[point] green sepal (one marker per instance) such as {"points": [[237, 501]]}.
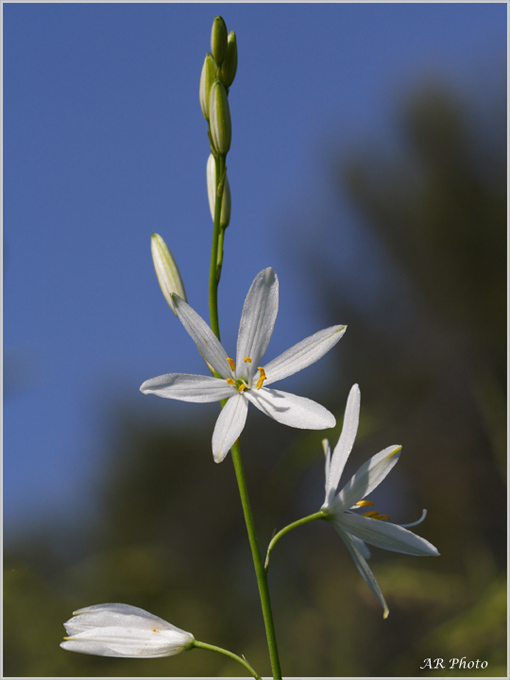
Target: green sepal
{"points": [[219, 39], [229, 65], [219, 118], [209, 70]]}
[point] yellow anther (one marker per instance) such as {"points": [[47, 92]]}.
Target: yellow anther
{"points": [[155, 630], [363, 503], [372, 514], [242, 387], [247, 360], [263, 377], [230, 381], [231, 364], [382, 517]]}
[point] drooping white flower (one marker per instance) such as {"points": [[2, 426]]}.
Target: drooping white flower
{"points": [[340, 508], [123, 630], [244, 380]]}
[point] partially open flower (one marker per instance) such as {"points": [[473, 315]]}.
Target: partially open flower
{"points": [[123, 630]]}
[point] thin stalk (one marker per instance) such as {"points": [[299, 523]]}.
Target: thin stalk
{"points": [[226, 652], [214, 278], [298, 523], [260, 573]]}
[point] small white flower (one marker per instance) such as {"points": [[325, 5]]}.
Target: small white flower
{"points": [[245, 380], [123, 630], [357, 529]]}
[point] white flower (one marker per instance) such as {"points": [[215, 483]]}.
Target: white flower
{"points": [[245, 380], [123, 630], [357, 529]]}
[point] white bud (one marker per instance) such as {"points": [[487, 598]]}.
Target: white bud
{"points": [[123, 630], [226, 202], [167, 271]]}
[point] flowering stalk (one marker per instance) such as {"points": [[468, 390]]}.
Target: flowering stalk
{"points": [[214, 279]]}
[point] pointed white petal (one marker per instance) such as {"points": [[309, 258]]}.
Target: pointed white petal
{"points": [[207, 343], [366, 479], [361, 545], [363, 568], [345, 443], [188, 387], [257, 322], [291, 410], [386, 535], [303, 354], [229, 426]]}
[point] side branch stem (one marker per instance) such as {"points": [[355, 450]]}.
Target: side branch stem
{"points": [[226, 652], [299, 522]]}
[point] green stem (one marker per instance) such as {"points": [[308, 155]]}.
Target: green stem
{"points": [[215, 271], [214, 278], [299, 522], [260, 573], [226, 652]]}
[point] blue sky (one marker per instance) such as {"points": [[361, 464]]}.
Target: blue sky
{"points": [[105, 143]]}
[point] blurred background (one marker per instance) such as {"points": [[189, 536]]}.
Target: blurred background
{"points": [[368, 167]]}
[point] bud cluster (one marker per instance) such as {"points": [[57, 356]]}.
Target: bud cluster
{"points": [[218, 73]]}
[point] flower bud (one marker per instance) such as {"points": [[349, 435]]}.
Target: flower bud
{"points": [[207, 77], [226, 202], [167, 271], [123, 630], [229, 66], [219, 39], [219, 118]]}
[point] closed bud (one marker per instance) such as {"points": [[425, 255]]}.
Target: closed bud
{"points": [[207, 77], [167, 271], [226, 202], [219, 39], [219, 118], [229, 65]]}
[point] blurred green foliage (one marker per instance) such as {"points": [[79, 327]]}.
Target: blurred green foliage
{"points": [[430, 356]]}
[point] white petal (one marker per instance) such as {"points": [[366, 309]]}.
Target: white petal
{"points": [[303, 354], [345, 443], [386, 535], [207, 343], [123, 630], [361, 545], [291, 410], [365, 480], [188, 387], [364, 569], [229, 426], [257, 322]]}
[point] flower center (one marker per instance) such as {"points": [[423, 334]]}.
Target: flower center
{"points": [[241, 384], [372, 513]]}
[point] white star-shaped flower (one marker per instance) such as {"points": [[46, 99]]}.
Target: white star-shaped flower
{"points": [[123, 630], [245, 380], [358, 529]]}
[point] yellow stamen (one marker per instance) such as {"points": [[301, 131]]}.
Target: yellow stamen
{"points": [[247, 360], [155, 630], [242, 387], [230, 381], [382, 517], [372, 513], [363, 503], [263, 377], [231, 364]]}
